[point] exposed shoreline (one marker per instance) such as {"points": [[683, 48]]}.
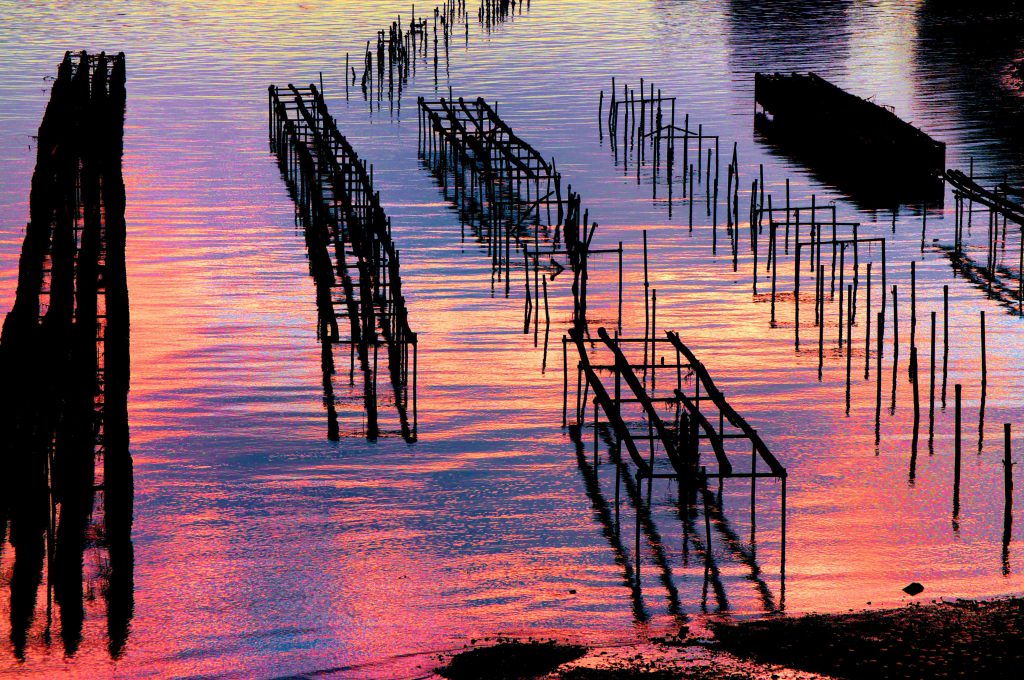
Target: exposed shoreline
{"points": [[958, 639]]}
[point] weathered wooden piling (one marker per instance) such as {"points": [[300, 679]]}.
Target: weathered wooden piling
{"points": [[917, 397], [878, 374], [913, 307], [945, 340], [956, 451], [867, 326], [895, 347], [984, 359], [849, 343], [821, 325], [931, 388], [1007, 479]]}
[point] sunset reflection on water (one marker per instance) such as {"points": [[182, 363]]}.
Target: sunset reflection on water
{"points": [[261, 548]]}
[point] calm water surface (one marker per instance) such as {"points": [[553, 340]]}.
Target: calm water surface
{"points": [[262, 549]]}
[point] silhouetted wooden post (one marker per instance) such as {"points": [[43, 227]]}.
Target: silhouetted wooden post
{"points": [[707, 516], [842, 269], [917, 396], [691, 195], [1007, 479], [796, 297], [849, 343], [945, 340], [878, 374], [787, 216], [707, 190], [773, 236], [647, 305], [895, 347], [842, 309], [984, 362], [821, 326], [913, 306], [931, 390], [867, 332], [620, 288], [956, 452]]}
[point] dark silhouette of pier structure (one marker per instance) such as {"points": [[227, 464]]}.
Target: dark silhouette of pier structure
{"points": [[66, 488], [664, 435], [852, 142], [352, 258], [513, 200]]}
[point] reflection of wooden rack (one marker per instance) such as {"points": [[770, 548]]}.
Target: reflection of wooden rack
{"points": [[341, 212]]}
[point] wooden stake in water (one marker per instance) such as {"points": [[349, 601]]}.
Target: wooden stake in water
{"points": [[917, 398], [878, 377], [849, 343], [867, 332], [1007, 479], [821, 326], [984, 363], [691, 196], [956, 453], [945, 341], [772, 235], [895, 348], [931, 391], [913, 307]]}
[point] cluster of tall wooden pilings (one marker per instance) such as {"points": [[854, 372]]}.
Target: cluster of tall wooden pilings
{"points": [[490, 13], [644, 126], [66, 487], [654, 399], [352, 258], [388, 61], [848, 273]]}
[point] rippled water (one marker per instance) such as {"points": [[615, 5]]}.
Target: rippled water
{"points": [[261, 548]]}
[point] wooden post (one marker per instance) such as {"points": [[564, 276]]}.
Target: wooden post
{"points": [[849, 343], [772, 236], [945, 340], [867, 332], [984, 363], [895, 346], [931, 390], [1007, 477], [878, 375], [821, 325], [956, 452], [913, 305], [917, 395]]}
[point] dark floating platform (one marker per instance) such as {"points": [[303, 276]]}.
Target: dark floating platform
{"points": [[863, 149]]}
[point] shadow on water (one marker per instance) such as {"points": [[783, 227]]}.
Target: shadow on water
{"points": [[68, 489], [687, 512]]}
